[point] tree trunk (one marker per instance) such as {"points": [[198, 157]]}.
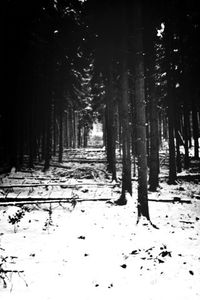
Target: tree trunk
{"points": [[172, 156], [154, 145], [143, 208], [185, 129], [124, 116], [60, 155], [170, 102], [153, 156], [178, 140], [110, 128], [54, 130], [31, 134], [195, 126], [133, 133], [48, 143]]}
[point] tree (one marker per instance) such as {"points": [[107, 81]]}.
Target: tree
{"points": [[124, 115], [150, 39], [170, 101], [110, 126], [143, 208]]}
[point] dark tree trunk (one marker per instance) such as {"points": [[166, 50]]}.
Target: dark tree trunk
{"points": [[43, 139], [31, 135], [74, 130], [126, 171], [70, 128], [21, 142], [48, 142], [195, 126], [153, 154], [143, 208], [178, 139], [110, 128], [67, 130], [79, 136], [172, 156], [124, 118], [85, 137], [185, 130], [178, 154], [54, 130], [170, 103], [60, 155], [154, 145], [165, 127], [133, 133], [189, 130]]}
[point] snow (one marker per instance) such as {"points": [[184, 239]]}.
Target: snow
{"points": [[97, 251]]}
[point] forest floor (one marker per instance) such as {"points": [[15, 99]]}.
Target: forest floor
{"points": [[89, 249]]}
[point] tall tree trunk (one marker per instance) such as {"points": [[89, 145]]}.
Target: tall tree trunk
{"points": [[165, 127], [172, 156], [124, 114], [110, 128], [31, 134], [75, 128], [85, 136], [70, 128], [154, 145], [126, 169], [185, 130], [48, 144], [143, 208], [177, 136], [67, 129], [60, 155], [54, 130], [195, 126], [153, 156], [170, 102], [133, 132], [178, 154]]}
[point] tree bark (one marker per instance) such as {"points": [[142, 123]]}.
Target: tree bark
{"points": [[153, 156], [143, 208], [170, 103], [195, 126], [124, 117], [61, 108], [110, 128], [154, 145], [48, 142], [177, 136], [186, 142]]}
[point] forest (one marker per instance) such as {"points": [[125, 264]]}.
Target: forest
{"points": [[99, 150]]}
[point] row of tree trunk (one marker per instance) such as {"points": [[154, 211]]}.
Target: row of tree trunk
{"points": [[142, 122]]}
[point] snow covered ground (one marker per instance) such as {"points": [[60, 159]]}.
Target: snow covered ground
{"points": [[96, 251]]}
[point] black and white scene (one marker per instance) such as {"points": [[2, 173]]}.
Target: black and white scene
{"points": [[100, 150]]}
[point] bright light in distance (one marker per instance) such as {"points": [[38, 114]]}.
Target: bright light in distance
{"points": [[161, 30]]}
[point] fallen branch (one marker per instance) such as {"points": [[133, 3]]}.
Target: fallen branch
{"points": [[11, 271], [67, 185], [186, 222], [170, 201], [4, 277], [49, 200]]}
